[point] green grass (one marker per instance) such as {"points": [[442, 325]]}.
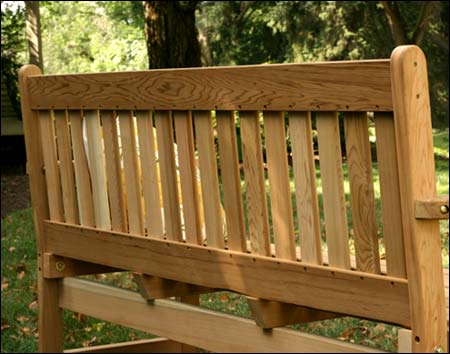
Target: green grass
{"points": [[19, 289]]}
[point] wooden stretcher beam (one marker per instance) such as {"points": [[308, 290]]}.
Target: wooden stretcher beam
{"points": [[214, 331]]}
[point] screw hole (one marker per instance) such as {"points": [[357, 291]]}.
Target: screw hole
{"points": [[254, 259], [362, 278], [415, 64], [417, 96], [231, 256], [392, 283], [333, 274], [305, 269], [417, 339]]}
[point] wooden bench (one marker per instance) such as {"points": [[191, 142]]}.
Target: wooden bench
{"points": [[88, 220]]}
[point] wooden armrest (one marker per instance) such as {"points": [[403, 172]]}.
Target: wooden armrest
{"points": [[433, 208]]}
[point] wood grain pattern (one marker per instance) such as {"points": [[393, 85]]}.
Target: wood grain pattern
{"points": [[47, 129], [333, 189], [433, 208], [209, 178], [66, 167], [150, 175], [50, 321], [324, 288], [132, 172], [258, 222], [300, 131], [168, 171], [279, 183], [114, 172], [390, 194], [82, 176], [343, 86], [362, 196], [169, 318], [414, 142], [231, 180], [188, 176], [97, 169]]}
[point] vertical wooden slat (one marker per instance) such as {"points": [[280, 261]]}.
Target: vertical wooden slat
{"points": [[97, 169], [132, 170], [188, 179], [300, 130], [164, 134], [258, 222], [390, 194], [50, 325], [231, 180], [364, 219], [209, 178], [280, 190], [150, 176], [116, 191], [414, 146], [51, 165], [333, 189], [82, 178], [66, 167]]}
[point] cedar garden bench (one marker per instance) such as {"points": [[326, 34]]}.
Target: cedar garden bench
{"points": [[108, 215]]}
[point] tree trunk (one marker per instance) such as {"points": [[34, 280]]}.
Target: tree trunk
{"points": [[171, 34], [33, 33]]}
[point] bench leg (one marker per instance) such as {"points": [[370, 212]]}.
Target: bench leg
{"points": [[51, 335]]}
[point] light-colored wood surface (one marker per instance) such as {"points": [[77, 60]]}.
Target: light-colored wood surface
{"points": [[82, 175], [390, 194], [150, 173], [50, 321], [188, 176], [231, 180], [132, 172], [272, 314], [155, 345], [300, 131], [209, 179], [168, 175], [415, 154], [47, 129], [64, 148], [362, 198], [152, 288], [434, 208], [404, 340], [60, 267], [279, 182], [333, 189], [257, 214], [214, 331], [341, 86], [325, 288], [114, 172], [96, 164]]}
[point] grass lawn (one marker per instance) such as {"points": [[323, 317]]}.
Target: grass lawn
{"points": [[19, 289]]}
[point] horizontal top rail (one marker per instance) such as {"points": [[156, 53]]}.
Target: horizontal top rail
{"points": [[343, 86]]}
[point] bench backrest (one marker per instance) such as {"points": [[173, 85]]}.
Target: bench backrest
{"points": [[274, 107]]}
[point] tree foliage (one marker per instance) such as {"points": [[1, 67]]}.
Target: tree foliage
{"points": [[86, 36], [12, 49]]}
